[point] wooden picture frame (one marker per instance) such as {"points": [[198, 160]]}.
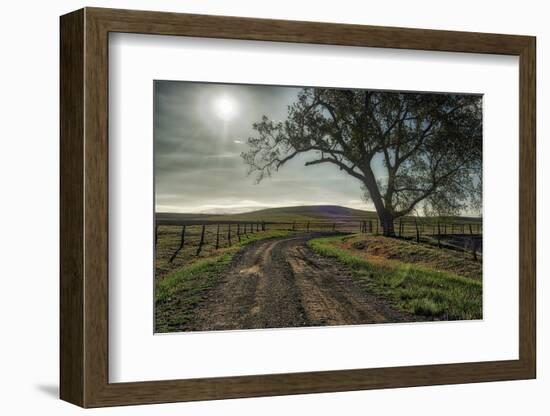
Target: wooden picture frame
{"points": [[84, 207]]}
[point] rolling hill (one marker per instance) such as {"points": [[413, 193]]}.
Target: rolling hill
{"points": [[304, 213], [329, 213]]}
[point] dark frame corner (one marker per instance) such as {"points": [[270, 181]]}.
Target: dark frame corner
{"points": [[84, 207]]}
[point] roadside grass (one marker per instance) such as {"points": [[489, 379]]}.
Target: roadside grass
{"points": [[407, 251], [412, 288], [180, 291], [169, 238]]}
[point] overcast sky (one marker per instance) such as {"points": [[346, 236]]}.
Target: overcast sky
{"points": [[200, 132]]}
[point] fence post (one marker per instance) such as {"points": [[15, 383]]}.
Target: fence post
{"points": [[474, 254], [308, 226], [438, 235], [417, 232], [377, 227], [218, 236], [400, 227], [293, 225], [181, 245], [333, 226], [229, 234], [239, 231], [201, 242]]}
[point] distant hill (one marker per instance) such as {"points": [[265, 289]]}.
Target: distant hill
{"points": [[172, 217], [301, 213], [329, 213], [304, 213]]}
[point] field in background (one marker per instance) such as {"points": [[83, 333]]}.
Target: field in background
{"points": [[462, 234]]}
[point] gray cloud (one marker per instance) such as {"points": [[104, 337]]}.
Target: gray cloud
{"points": [[198, 167]]}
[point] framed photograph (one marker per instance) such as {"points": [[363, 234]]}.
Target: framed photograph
{"points": [[260, 207]]}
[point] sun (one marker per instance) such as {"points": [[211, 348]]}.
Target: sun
{"points": [[225, 108]]}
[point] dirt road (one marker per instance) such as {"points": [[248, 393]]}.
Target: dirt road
{"points": [[282, 283]]}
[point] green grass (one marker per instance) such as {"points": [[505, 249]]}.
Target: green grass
{"points": [[169, 238], [180, 291], [180, 280], [421, 254], [412, 288]]}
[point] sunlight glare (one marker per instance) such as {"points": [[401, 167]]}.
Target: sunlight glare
{"points": [[225, 108]]}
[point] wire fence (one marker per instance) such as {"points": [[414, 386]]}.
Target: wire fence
{"points": [[191, 238]]}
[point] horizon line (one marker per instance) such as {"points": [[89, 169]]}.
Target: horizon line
{"points": [[257, 209]]}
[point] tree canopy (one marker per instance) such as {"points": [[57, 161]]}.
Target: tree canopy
{"points": [[430, 146]]}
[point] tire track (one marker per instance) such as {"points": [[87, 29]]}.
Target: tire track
{"points": [[282, 283]]}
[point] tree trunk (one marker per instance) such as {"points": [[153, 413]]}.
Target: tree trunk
{"points": [[386, 217], [386, 220]]}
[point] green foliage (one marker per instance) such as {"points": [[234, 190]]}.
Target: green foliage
{"points": [[414, 289]]}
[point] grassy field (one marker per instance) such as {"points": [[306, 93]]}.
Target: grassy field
{"points": [[169, 236], [395, 250], [169, 239], [180, 289], [416, 278], [461, 232]]}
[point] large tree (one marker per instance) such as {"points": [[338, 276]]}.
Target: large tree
{"points": [[429, 145]]}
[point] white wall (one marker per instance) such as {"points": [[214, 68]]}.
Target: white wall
{"points": [[29, 214]]}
